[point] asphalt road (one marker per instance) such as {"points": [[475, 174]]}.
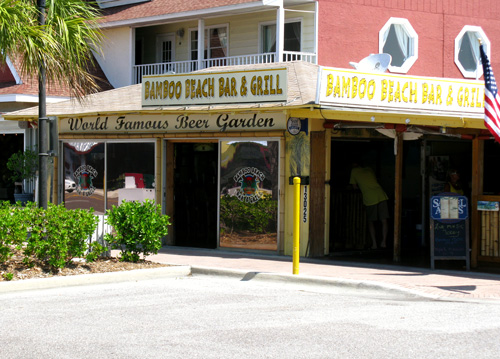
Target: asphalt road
{"points": [[214, 317]]}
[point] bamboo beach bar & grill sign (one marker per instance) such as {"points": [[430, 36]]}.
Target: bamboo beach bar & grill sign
{"points": [[268, 85], [382, 90], [221, 122]]}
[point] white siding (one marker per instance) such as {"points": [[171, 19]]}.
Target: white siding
{"points": [[116, 61], [243, 32]]}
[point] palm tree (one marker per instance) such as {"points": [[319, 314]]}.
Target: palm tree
{"points": [[63, 45], [54, 40]]}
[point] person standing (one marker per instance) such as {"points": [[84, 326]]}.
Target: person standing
{"points": [[374, 199], [453, 184]]}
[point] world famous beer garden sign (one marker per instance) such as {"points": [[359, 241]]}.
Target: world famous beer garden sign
{"points": [[204, 122]]}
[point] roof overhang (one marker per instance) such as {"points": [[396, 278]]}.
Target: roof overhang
{"points": [[29, 98], [229, 10]]}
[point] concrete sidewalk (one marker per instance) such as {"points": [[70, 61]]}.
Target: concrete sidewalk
{"points": [[417, 282], [436, 284]]}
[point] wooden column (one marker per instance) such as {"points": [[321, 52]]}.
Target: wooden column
{"points": [[476, 190], [398, 190], [317, 195], [169, 190]]}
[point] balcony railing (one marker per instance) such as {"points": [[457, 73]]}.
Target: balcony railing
{"points": [[182, 67]]}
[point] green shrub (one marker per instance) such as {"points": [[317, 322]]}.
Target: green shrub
{"points": [[58, 234], [138, 228], [13, 229]]}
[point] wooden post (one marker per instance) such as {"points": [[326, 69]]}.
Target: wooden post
{"points": [[476, 190], [398, 190], [169, 190], [317, 195]]}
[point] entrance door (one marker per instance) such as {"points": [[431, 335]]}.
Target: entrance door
{"points": [[249, 191], [195, 194], [165, 48]]}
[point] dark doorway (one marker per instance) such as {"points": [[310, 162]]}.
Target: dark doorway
{"points": [[348, 226], [9, 144], [195, 194], [349, 237]]}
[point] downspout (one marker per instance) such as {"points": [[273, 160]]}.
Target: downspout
{"points": [[316, 33]]}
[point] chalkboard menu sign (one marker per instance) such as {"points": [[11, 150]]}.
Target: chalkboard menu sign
{"points": [[449, 239], [449, 228]]}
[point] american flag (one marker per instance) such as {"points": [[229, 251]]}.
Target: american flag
{"points": [[491, 99]]}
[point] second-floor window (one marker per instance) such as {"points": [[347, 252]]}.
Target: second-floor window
{"points": [[467, 56], [292, 37], [398, 39], [215, 43]]}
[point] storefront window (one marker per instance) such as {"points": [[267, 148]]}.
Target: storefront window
{"points": [[128, 169], [130, 172], [249, 194], [84, 176]]}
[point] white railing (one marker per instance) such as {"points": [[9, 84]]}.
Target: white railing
{"points": [[182, 67]]}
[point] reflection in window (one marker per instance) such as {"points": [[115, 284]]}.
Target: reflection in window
{"points": [[467, 51], [130, 172], [398, 39], [249, 194], [292, 36], [215, 43], [84, 176]]}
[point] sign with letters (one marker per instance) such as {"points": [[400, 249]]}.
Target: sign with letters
{"points": [[388, 91], [449, 207], [222, 122], [449, 228], [269, 85]]}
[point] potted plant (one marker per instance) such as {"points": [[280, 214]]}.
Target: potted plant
{"points": [[24, 166]]}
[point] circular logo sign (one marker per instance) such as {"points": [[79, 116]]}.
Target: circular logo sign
{"points": [[293, 125]]}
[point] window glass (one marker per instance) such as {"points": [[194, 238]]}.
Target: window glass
{"points": [[291, 37], [127, 168], [467, 51], [194, 45], [215, 43], [130, 172], [84, 176], [249, 194], [166, 51], [398, 39], [218, 42]]}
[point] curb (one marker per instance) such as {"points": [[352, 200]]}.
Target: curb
{"points": [[95, 278], [331, 281], [311, 280]]}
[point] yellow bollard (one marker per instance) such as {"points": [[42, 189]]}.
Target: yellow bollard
{"points": [[296, 225]]}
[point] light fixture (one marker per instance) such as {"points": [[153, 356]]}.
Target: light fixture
{"points": [[442, 129], [407, 121], [372, 118], [180, 32]]}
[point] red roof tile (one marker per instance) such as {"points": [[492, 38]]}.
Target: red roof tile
{"points": [[164, 7], [29, 85]]}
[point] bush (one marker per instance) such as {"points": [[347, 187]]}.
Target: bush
{"points": [[13, 229], [138, 227], [58, 234]]}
